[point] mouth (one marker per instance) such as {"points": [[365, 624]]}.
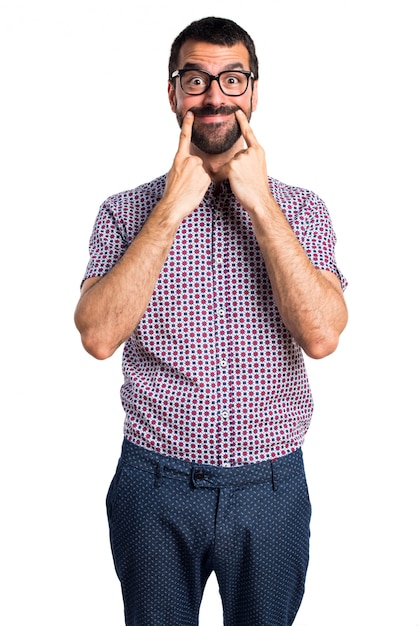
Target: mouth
{"points": [[218, 118], [208, 115]]}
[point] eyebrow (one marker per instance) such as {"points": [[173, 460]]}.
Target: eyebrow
{"points": [[196, 66]]}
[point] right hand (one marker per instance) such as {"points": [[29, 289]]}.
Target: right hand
{"points": [[187, 181]]}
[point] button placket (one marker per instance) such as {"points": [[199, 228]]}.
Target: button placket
{"points": [[221, 308]]}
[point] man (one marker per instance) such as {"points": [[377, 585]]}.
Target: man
{"points": [[215, 277]]}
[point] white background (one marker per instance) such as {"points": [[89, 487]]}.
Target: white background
{"points": [[84, 114]]}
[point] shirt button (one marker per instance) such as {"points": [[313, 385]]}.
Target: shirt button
{"points": [[224, 414], [219, 260], [221, 312], [223, 363]]}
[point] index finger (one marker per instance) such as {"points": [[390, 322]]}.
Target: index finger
{"points": [[247, 131], [186, 132]]}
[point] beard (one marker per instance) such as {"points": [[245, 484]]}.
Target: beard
{"points": [[214, 138]]}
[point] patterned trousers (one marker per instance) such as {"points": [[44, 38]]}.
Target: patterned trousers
{"points": [[173, 523]]}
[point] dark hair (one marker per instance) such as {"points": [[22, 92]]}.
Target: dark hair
{"points": [[216, 30]]}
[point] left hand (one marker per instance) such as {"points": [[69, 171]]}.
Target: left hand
{"points": [[247, 170]]}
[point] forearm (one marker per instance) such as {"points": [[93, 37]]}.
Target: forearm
{"points": [[310, 301], [110, 309]]}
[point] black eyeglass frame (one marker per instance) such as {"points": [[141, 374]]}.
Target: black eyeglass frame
{"points": [[212, 77]]}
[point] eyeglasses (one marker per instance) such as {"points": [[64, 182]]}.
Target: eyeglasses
{"points": [[196, 82]]}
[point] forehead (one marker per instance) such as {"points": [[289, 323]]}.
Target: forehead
{"points": [[212, 57]]}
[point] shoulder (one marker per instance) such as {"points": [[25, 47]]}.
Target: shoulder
{"points": [[144, 193], [125, 212], [291, 194], [305, 211]]}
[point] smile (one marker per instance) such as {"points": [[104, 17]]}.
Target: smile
{"points": [[216, 118]]}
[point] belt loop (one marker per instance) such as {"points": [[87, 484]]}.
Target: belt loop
{"points": [[158, 475], [274, 477]]}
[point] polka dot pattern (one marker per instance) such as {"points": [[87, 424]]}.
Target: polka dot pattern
{"points": [[211, 375], [172, 523]]}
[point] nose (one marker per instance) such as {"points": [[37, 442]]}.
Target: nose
{"points": [[214, 95]]}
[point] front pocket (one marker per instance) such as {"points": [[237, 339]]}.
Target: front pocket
{"points": [[113, 490]]}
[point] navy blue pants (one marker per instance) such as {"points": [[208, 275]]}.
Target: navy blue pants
{"points": [[172, 523]]}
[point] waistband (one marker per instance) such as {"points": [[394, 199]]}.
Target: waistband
{"points": [[212, 476]]}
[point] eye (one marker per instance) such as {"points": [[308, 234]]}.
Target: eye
{"points": [[193, 79], [233, 79]]}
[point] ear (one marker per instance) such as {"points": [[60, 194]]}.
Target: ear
{"points": [[254, 100], [172, 96]]}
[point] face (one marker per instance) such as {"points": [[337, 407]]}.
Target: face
{"points": [[215, 128]]}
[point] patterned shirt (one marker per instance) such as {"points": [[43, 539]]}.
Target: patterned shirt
{"points": [[211, 374]]}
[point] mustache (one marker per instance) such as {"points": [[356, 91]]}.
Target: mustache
{"points": [[210, 110]]}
